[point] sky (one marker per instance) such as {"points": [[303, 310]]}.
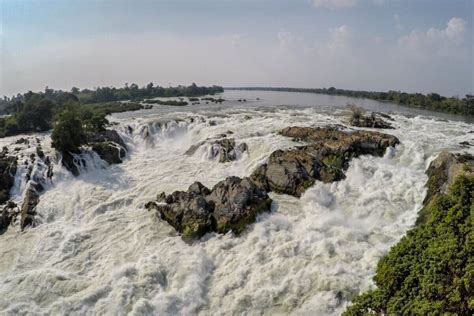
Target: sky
{"points": [[378, 45]]}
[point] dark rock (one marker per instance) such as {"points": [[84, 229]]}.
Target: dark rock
{"points": [[22, 141], [40, 152], [107, 136], [444, 169], [325, 159], [231, 205], [373, 120], [8, 167], [225, 148], [28, 208], [442, 173], [72, 163], [465, 144], [7, 214], [110, 152]]}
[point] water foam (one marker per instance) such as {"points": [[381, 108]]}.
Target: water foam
{"points": [[98, 251]]}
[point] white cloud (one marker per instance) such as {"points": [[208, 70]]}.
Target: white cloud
{"points": [[431, 60], [438, 41], [334, 4]]}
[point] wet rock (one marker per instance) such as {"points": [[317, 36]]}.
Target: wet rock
{"points": [[444, 169], [465, 144], [231, 205], [109, 146], [8, 167], [373, 120], [28, 208], [7, 215], [21, 141], [325, 158], [442, 173], [225, 148], [110, 152], [40, 152], [72, 162], [107, 136]]}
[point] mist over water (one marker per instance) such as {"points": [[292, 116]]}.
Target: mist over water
{"points": [[97, 250]]}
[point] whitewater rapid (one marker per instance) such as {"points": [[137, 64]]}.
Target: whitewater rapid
{"points": [[96, 250]]}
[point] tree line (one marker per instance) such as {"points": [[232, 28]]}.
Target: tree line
{"points": [[38, 111], [430, 101]]}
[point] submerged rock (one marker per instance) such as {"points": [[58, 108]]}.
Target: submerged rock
{"points": [[326, 158], [231, 205], [8, 167]]}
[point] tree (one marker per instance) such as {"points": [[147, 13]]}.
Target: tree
{"points": [[68, 133]]}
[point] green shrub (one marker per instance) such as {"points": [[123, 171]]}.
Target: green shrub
{"points": [[431, 270]]}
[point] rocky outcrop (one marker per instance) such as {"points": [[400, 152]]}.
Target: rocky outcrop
{"points": [[7, 214], [225, 148], [109, 146], [444, 169], [234, 203], [324, 158], [230, 205], [374, 120], [8, 167], [28, 208], [110, 152]]}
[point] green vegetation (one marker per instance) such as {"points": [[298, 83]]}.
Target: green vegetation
{"points": [[219, 100], [167, 102], [133, 92], [431, 270], [69, 132], [38, 112], [431, 101]]}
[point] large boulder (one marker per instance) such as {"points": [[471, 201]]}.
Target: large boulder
{"points": [[106, 136], [373, 120], [325, 158], [7, 214], [224, 148], [72, 162], [231, 205], [445, 169], [28, 208], [110, 152], [109, 146], [8, 167]]}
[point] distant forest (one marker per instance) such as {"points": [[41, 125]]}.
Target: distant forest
{"points": [[37, 111], [431, 101]]}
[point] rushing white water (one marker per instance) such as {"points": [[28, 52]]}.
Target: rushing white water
{"points": [[96, 250]]}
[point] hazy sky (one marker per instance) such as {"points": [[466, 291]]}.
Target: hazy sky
{"points": [[410, 45]]}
